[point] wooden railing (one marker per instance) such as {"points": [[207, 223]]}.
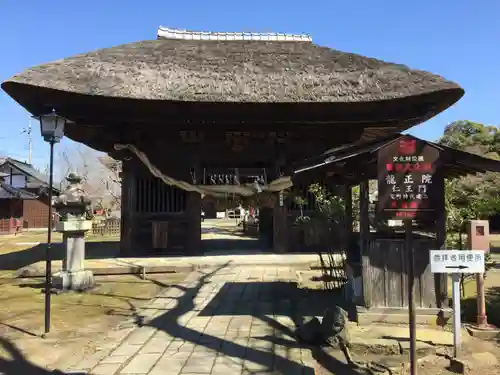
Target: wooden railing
{"points": [[107, 227]]}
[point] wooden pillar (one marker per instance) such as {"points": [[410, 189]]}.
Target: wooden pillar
{"points": [[280, 226], [364, 236], [347, 227], [441, 280], [193, 228], [128, 208]]}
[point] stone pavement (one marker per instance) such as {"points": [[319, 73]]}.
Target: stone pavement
{"points": [[227, 320], [236, 320]]}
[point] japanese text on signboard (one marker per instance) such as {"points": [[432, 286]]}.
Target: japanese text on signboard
{"points": [[464, 258], [407, 180]]}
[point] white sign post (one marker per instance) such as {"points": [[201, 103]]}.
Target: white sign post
{"points": [[456, 262]]}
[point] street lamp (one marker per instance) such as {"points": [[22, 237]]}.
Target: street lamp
{"points": [[52, 130]]}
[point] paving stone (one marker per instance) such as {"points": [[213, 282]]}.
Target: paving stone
{"points": [[200, 349], [187, 347], [126, 349], [112, 359], [237, 333], [199, 322], [166, 366], [155, 345], [90, 361], [141, 364], [261, 366], [198, 364], [140, 335], [106, 369], [234, 348], [175, 345], [235, 369]]}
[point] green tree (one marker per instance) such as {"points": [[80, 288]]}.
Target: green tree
{"points": [[472, 196]]}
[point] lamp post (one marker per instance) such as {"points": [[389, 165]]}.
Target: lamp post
{"points": [[52, 130]]}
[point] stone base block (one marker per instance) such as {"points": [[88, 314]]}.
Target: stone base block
{"points": [[432, 317], [78, 281], [483, 333]]}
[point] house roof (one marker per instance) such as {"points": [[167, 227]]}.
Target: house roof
{"points": [[359, 161], [9, 192], [28, 170]]}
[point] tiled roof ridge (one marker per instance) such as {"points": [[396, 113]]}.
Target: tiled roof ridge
{"points": [[172, 33]]}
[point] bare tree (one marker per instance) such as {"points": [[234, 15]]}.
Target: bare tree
{"points": [[113, 181], [100, 173]]}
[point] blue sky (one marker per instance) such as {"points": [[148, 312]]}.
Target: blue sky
{"points": [[458, 39]]}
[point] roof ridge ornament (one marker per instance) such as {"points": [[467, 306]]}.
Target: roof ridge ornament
{"points": [[170, 33]]}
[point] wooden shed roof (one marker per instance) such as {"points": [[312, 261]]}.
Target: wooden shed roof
{"points": [[353, 163]]}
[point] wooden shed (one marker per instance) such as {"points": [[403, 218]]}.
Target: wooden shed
{"points": [[379, 259]]}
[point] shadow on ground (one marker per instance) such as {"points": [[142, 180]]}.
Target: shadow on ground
{"points": [[22, 258], [264, 301], [469, 307], [17, 364], [111, 249]]}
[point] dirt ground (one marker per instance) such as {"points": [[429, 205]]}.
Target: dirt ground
{"points": [[76, 317]]}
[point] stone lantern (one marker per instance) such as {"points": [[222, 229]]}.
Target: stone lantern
{"points": [[73, 206]]}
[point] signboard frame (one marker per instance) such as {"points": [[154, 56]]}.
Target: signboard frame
{"points": [[457, 261], [410, 180]]}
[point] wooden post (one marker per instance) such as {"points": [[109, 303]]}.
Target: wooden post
{"points": [[129, 197], [364, 234], [280, 226], [441, 280], [193, 229], [348, 217]]}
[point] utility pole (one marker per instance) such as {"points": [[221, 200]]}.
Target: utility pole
{"points": [[30, 142]]}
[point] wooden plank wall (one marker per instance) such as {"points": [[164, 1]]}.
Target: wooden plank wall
{"points": [[386, 273], [36, 213]]}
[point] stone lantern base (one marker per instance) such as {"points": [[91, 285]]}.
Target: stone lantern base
{"points": [[73, 275], [75, 280]]}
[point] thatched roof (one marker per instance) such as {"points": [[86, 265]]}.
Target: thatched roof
{"points": [[230, 71]]}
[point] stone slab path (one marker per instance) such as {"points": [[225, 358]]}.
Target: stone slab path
{"points": [[232, 320], [225, 320]]}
